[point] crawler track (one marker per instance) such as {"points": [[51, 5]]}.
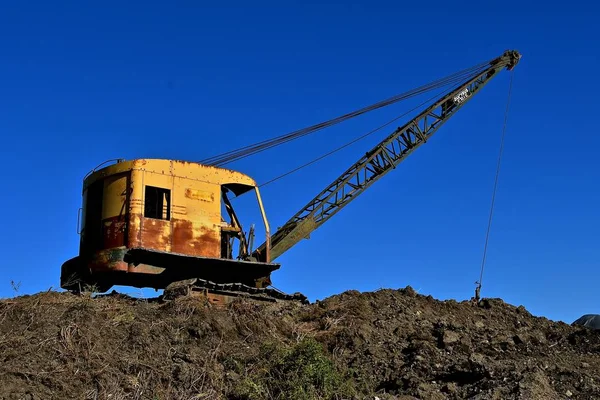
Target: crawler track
{"points": [[223, 292]]}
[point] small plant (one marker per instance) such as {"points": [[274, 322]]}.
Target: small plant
{"points": [[249, 389], [306, 372], [300, 372], [15, 286]]}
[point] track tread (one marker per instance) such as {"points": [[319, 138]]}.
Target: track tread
{"points": [[239, 288]]}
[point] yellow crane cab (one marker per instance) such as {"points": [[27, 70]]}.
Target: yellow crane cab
{"points": [[150, 222]]}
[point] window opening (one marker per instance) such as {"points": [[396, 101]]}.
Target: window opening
{"points": [[232, 231], [157, 203]]}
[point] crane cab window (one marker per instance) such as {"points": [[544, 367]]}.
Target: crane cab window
{"points": [[157, 204]]}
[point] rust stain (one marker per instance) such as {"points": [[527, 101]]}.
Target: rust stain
{"points": [[209, 244], [201, 195], [182, 234], [197, 241], [113, 231], [156, 234], [134, 231], [109, 260]]}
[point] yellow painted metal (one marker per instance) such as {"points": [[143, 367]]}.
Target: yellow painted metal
{"points": [[182, 169], [128, 239], [267, 228], [191, 223], [115, 190]]}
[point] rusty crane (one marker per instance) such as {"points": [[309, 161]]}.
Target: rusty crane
{"points": [[157, 223]]}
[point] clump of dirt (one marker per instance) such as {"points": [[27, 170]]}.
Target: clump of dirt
{"points": [[390, 344]]}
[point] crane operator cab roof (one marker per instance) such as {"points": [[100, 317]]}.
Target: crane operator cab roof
{"points": [[235, 181]]}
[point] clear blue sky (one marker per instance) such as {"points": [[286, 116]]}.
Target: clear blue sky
{"points": [[83, 82]]}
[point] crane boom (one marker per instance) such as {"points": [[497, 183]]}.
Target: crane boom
{"points": [[377, 162]]}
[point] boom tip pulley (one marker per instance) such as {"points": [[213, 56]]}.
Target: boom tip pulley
{"points": [[511, 57]]}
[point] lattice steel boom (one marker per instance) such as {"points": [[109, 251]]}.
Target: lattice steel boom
{"points": [[380, 160]]}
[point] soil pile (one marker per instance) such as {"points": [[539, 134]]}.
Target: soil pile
{"points": [[389, 344]]}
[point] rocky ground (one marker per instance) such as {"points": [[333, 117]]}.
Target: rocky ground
{"points": [[389, 344]]}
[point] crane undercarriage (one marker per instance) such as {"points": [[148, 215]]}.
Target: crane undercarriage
{"points": [[225, 293], [175, 274]]}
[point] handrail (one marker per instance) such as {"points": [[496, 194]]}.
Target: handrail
{"points": [[118, 160]]}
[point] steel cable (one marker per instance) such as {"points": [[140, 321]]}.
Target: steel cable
{"points": [[227, 158], [349, 143], [487, 234], [246, 151]]}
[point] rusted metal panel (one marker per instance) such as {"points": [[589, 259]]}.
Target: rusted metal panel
{"points": [[113, 261], [195, 240], [195, 215], [134, 232], [156, 234], [114, 231], [110, 260]]}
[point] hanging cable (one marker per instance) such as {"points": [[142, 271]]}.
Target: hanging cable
{"points": [[246, 151], [487, 234]]}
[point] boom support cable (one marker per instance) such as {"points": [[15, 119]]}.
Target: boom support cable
{"points": [[329, 153], [249, 150], [487, 234]]}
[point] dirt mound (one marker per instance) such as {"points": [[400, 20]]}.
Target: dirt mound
{"points": [[386, 344]]}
